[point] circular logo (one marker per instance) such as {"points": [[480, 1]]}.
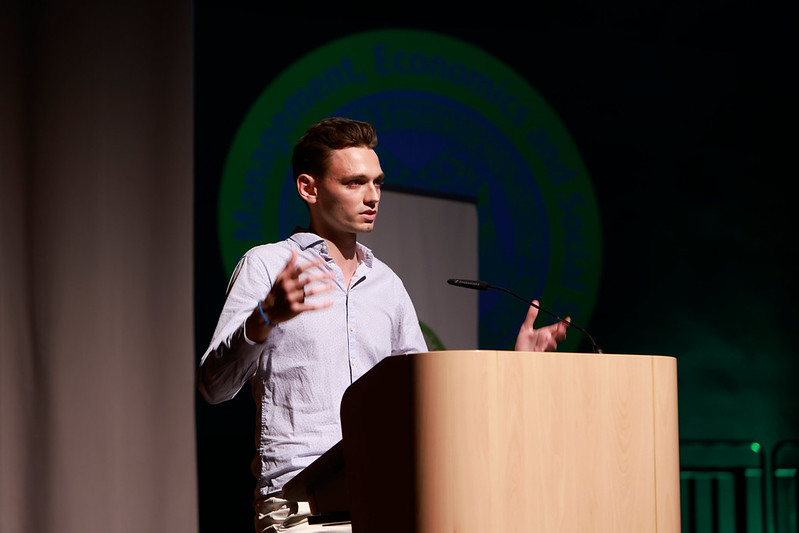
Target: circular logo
{"points": [[451, 120]]}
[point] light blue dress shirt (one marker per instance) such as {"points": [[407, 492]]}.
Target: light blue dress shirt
{"points": [[299, 374]]}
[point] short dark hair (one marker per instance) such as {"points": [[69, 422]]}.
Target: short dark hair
{"points": [[312, 151]]}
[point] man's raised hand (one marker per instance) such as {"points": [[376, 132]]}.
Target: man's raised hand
{"points": [[544, 339], [288, 296]]}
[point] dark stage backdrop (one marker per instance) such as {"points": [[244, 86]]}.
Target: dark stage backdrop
{"points": [[674, 125]]}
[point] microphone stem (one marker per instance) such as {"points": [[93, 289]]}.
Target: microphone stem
{"points": [[594, 345]]}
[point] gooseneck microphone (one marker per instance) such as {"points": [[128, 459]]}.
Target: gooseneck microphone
{"points": [[483, 286]]}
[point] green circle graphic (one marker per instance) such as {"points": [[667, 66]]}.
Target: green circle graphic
{"points": [[452, 120]]}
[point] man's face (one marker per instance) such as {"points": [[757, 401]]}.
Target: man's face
{"points": [[348, 194]]}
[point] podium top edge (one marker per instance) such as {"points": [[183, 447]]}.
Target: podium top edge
{"points": [[553, 354]]}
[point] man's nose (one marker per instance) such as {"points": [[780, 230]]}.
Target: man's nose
{"points": [[372, 194]]}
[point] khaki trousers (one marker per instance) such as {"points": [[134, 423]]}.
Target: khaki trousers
{"points": [[276, 514]]}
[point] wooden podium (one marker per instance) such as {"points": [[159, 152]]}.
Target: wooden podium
{"points": [[499, 441]]}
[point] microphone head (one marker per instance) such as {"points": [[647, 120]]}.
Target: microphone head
{"points": [[469, 284]]}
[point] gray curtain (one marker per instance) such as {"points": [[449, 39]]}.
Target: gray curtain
{"points": [[97, 360]]}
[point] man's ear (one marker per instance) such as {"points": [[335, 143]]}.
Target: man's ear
{"points": [[306, 186]]}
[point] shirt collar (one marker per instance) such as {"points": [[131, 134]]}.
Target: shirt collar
{"points": [[306, 240]]}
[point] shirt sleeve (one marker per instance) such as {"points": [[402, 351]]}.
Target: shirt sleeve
{"points": [[231, 359], [409, 337]]}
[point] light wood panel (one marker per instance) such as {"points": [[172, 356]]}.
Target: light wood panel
{"points": [[510, 441]]}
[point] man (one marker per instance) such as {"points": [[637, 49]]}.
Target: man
{"points": [[307, 316]]}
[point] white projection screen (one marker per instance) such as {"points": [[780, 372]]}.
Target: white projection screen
{"points": [[427, 240]]}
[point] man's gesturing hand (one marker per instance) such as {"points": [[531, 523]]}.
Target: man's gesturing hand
{"points": [[287, 298], [544, 339]]}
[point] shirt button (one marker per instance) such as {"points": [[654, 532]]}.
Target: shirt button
{"points": [[352, 362], [352, 328]]}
